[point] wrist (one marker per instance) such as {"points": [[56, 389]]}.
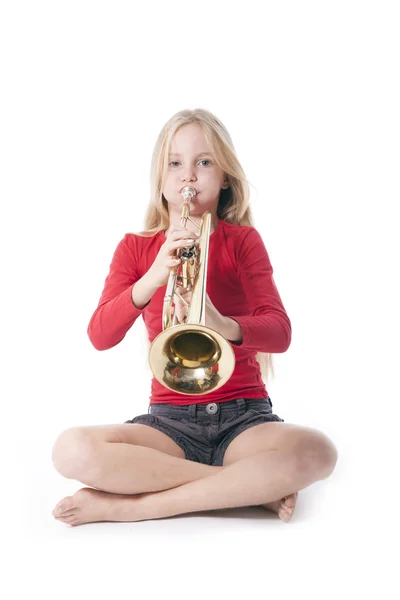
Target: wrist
{"points": [[234, 331], [230, 329], [142, 291], [151, 280]]}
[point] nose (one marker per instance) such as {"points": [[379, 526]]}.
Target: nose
{"points": [[188, 175]]}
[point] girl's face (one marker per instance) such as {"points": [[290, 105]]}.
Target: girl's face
{"points": [[190, 163]]}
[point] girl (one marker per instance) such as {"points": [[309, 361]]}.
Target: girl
{"points": [[223, 449]]}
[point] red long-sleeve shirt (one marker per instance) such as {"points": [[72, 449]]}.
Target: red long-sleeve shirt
{"points": [[240, 285]]}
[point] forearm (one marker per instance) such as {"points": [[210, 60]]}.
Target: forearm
{"points": [[112, 319], [229, 328], [143, 291], [265, 333]]}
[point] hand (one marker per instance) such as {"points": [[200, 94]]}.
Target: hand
{"points": [[165, 260], [226, 326], [213, 317]]}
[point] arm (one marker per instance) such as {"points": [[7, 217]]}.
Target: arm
{"points": [[231, 330], [226, 326], [267, 328], [123, 299]]}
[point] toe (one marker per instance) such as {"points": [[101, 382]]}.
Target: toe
{"points": [[63, 515], [283, 514], [290, 501], [64, 505], [70, 520]]}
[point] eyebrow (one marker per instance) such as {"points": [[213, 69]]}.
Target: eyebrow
{"points": [[199, 154]]}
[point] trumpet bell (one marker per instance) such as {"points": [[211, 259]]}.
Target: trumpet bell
{"points": [[191, 359]]}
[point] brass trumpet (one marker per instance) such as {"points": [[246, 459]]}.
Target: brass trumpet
{"points": [[190, 358]]}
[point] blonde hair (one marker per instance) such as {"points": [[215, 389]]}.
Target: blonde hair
{"points": [[233, 206]]}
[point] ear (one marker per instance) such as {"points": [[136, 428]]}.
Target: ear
{"points": [[225, 185]]}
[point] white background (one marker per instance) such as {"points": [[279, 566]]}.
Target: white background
{"points": [[309, 92]]}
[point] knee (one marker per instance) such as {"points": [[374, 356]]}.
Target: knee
{"points": [[329, 457], [72, 452], [319, 454]]}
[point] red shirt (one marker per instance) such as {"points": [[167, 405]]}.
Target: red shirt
{"points": [[240, 285]]}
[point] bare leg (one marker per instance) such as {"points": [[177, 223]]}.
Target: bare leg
{"points": [[128, 469], [254, 480]]}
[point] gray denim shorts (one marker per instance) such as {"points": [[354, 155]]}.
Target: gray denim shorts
{"points": [[204, 431]]}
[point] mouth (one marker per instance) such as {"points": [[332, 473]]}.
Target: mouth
{"points": [[180, 191]]}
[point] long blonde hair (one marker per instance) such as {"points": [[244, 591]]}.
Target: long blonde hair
{"points": [[233, 206]]}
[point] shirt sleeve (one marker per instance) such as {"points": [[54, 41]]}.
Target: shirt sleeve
{"points": [[116, 313], [268, 327]]}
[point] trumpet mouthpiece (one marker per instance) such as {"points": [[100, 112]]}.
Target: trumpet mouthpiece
{"points": [[188, 192]]}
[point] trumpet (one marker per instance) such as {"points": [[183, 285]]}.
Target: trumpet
{"points": [[190, 358]]}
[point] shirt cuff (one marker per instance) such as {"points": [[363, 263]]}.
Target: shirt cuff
{"points": [[263, 333]]}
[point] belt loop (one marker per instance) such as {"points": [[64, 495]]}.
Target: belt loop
{"points": [[192, 411], [241, 404], [149, 410]]}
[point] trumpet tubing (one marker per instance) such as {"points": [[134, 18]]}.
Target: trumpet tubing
{"points": [[190, 358]]}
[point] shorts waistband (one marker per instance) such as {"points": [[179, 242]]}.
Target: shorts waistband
{"points": [[212, 409]]}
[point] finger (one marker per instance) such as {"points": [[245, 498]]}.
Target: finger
{"points": [[171, 262], [180, 244], [182, 233]]}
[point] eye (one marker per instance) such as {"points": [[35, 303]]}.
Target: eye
{"points": [[177, 161]]}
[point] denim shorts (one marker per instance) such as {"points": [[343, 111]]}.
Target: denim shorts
{"points": [[204, 431]]}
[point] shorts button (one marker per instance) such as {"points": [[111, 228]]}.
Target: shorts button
{"points": [[212, 408]]}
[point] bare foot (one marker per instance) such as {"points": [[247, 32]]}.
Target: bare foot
{"points": [[88, 505], [284, 507]]}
